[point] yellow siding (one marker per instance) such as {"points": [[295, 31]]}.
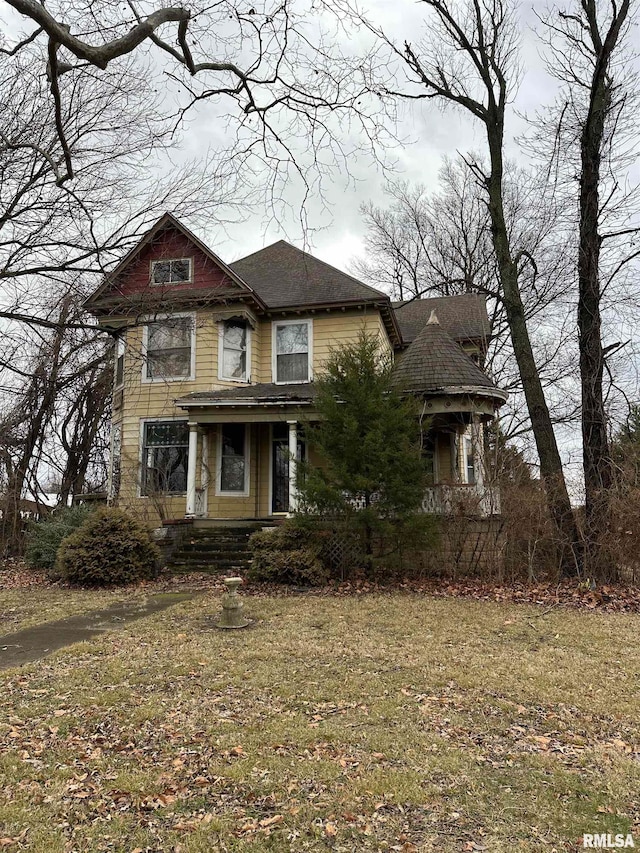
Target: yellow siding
{"points": [[144, 400]]}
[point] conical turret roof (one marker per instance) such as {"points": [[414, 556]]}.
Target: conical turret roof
{"points": [[434, 362]]}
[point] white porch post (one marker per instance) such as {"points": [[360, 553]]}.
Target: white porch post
{"points": [[191, 470], [477, 438], [293, 464]]}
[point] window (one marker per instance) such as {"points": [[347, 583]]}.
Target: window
{"points": [[234, 352], [175, 271], [116, 453], [429, 458], [470, 462], [232, 459], [165, 455], [120, 360], [169, 348], [292, 348]]}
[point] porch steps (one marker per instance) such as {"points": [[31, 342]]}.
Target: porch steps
{"points": [[215, 550]]}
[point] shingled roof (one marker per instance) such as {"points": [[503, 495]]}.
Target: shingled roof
{"points": [[464, 317], [261, 392], [434, 363], [284, 276]]}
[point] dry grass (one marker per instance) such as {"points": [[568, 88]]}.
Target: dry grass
{"points": [[382, 722], [22, 608]]}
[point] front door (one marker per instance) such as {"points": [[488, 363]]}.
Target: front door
{"points": [[280, 467]]}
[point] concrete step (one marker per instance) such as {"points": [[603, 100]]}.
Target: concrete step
{"points": [[206, 557], [214, 547], [225, 567]]}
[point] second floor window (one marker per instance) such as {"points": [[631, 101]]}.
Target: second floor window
{"points": [[174, 271], [234, 350], [169, 348], [292, 348]]}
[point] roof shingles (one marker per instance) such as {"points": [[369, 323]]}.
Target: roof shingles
{"points": [[284, 276], [434, 362], [464, 317]]}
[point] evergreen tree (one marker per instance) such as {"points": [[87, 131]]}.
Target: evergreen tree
{"points": [[372, 476]]}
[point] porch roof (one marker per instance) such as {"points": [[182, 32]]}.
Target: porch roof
{"points": [[262, 393]]}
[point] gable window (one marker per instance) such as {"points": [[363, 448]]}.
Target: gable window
{"points": [[165, 455], [233, 468], [119, 352], [174, 271], [292, 351], [234, 353], [169, 348]]}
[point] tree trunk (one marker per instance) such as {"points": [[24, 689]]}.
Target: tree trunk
{"points": [[559, 505], [595, 443]]}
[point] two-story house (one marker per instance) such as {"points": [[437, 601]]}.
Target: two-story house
{"points": [[215, 366]]}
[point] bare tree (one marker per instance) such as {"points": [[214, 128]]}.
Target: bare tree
{"points": [[469, 60], [281, 73], [430, 244], [439, 244], [593, 128]]}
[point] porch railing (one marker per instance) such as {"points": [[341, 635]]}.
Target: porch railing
{"points": [[461, 499], [455, 499]]}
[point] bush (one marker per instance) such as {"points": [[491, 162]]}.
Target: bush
{"points": [[43, 537], [285, 555], [110, 548]]}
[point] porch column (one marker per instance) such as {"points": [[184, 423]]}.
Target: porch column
{"points": [[477, 438], [293, 464], [191, 470]]}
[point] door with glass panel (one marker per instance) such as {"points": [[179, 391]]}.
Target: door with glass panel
{"points": [[280, 467]]}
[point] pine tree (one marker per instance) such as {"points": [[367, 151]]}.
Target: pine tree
{"points": [[372, 476]]}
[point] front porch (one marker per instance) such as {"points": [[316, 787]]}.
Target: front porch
{"points": [[242, 466], [242, 470]]}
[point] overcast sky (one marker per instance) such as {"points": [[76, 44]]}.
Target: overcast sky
{"points": [[336, 233]]}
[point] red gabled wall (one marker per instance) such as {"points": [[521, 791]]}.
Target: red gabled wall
{"points": [[170, 243]]}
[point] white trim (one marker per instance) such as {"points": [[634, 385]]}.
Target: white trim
{"points": [[247, 378], [192, 459], [146, 322], [155, 261], [157, 420], [274, 361], [247, 464]]}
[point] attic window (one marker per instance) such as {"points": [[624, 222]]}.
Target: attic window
{"points": [[174, 271]]}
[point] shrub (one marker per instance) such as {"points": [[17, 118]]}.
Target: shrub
{"points": [[110, 548], [286, 555], [44, 537]]}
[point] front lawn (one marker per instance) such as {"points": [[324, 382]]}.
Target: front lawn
{"points": [[378, 722]]}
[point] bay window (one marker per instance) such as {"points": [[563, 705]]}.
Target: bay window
{"points": [[292, 351]]}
